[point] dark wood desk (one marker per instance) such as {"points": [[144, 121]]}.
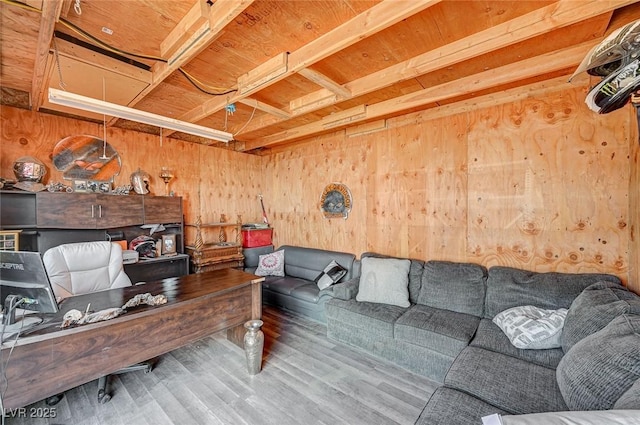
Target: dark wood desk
{"points": [[51, 360]]}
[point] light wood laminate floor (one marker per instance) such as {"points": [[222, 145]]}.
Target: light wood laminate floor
{"points": [[306, 379]]}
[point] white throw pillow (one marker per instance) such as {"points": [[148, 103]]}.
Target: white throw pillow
{"points": [[531, 327], [385, 281], [592, 417], [330, 275], [271, 264]]}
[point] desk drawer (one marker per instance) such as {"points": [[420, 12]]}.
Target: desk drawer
{"points": [[157, 269]]}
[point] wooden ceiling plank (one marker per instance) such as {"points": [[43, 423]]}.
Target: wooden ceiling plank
{"points": [[527, 68], [265, 108], [326, 82], [50, 14], [194, 19], [538, 22], [220, 15], [383, 15], [366, 24]]}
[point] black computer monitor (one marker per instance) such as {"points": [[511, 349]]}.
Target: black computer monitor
{"points": [[24, 284]]}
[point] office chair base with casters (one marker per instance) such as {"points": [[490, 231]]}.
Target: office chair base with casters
{"points": [[103, 395], [54, 399]]}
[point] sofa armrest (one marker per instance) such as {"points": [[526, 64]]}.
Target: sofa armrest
{"points": [[345, 290]]}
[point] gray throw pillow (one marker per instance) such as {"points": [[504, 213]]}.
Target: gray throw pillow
{"points": [[595, 307], [602, 367], [385, 281]]}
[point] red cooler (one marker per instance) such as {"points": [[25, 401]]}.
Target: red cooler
{"points": [[252, 238]]}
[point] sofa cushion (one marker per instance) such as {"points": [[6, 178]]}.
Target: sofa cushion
{"points": [[595, 308], [452, 407], [307, 263], [530, 327], [600, 368], [384, 280], [415, 274], [608, 417], [346, 290], [491, 337], [308, 292], [513, 385], [373, 318], [454, 286], [271, 264], [283, 285], [630, 399], [509, 287], [444, 331]]}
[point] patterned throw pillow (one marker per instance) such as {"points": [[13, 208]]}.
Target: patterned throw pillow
{"points": [[530, 327], [330, 275], [271, 264]]}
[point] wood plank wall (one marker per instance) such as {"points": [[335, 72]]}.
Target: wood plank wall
{"points": [[541, 184], [211, 181]]}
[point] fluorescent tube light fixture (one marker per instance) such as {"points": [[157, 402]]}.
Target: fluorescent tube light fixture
{"points": [[89, 104]]}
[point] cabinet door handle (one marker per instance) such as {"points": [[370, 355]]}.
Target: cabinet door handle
{"points": [[99, 211], [92, 211]]}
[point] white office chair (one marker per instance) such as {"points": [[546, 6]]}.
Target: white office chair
{"points": [[85, 267]]}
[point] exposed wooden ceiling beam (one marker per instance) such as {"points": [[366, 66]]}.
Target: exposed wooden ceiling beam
{"points": [[324, 81], [375, 19], [50, 14], [536, 23], [195, 18], [528, 68], [220, 15], [533, 24], [265, 108], [312, 102]]}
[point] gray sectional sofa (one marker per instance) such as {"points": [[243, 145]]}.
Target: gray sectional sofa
{"points": [[297, 290], [447, 333]]}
